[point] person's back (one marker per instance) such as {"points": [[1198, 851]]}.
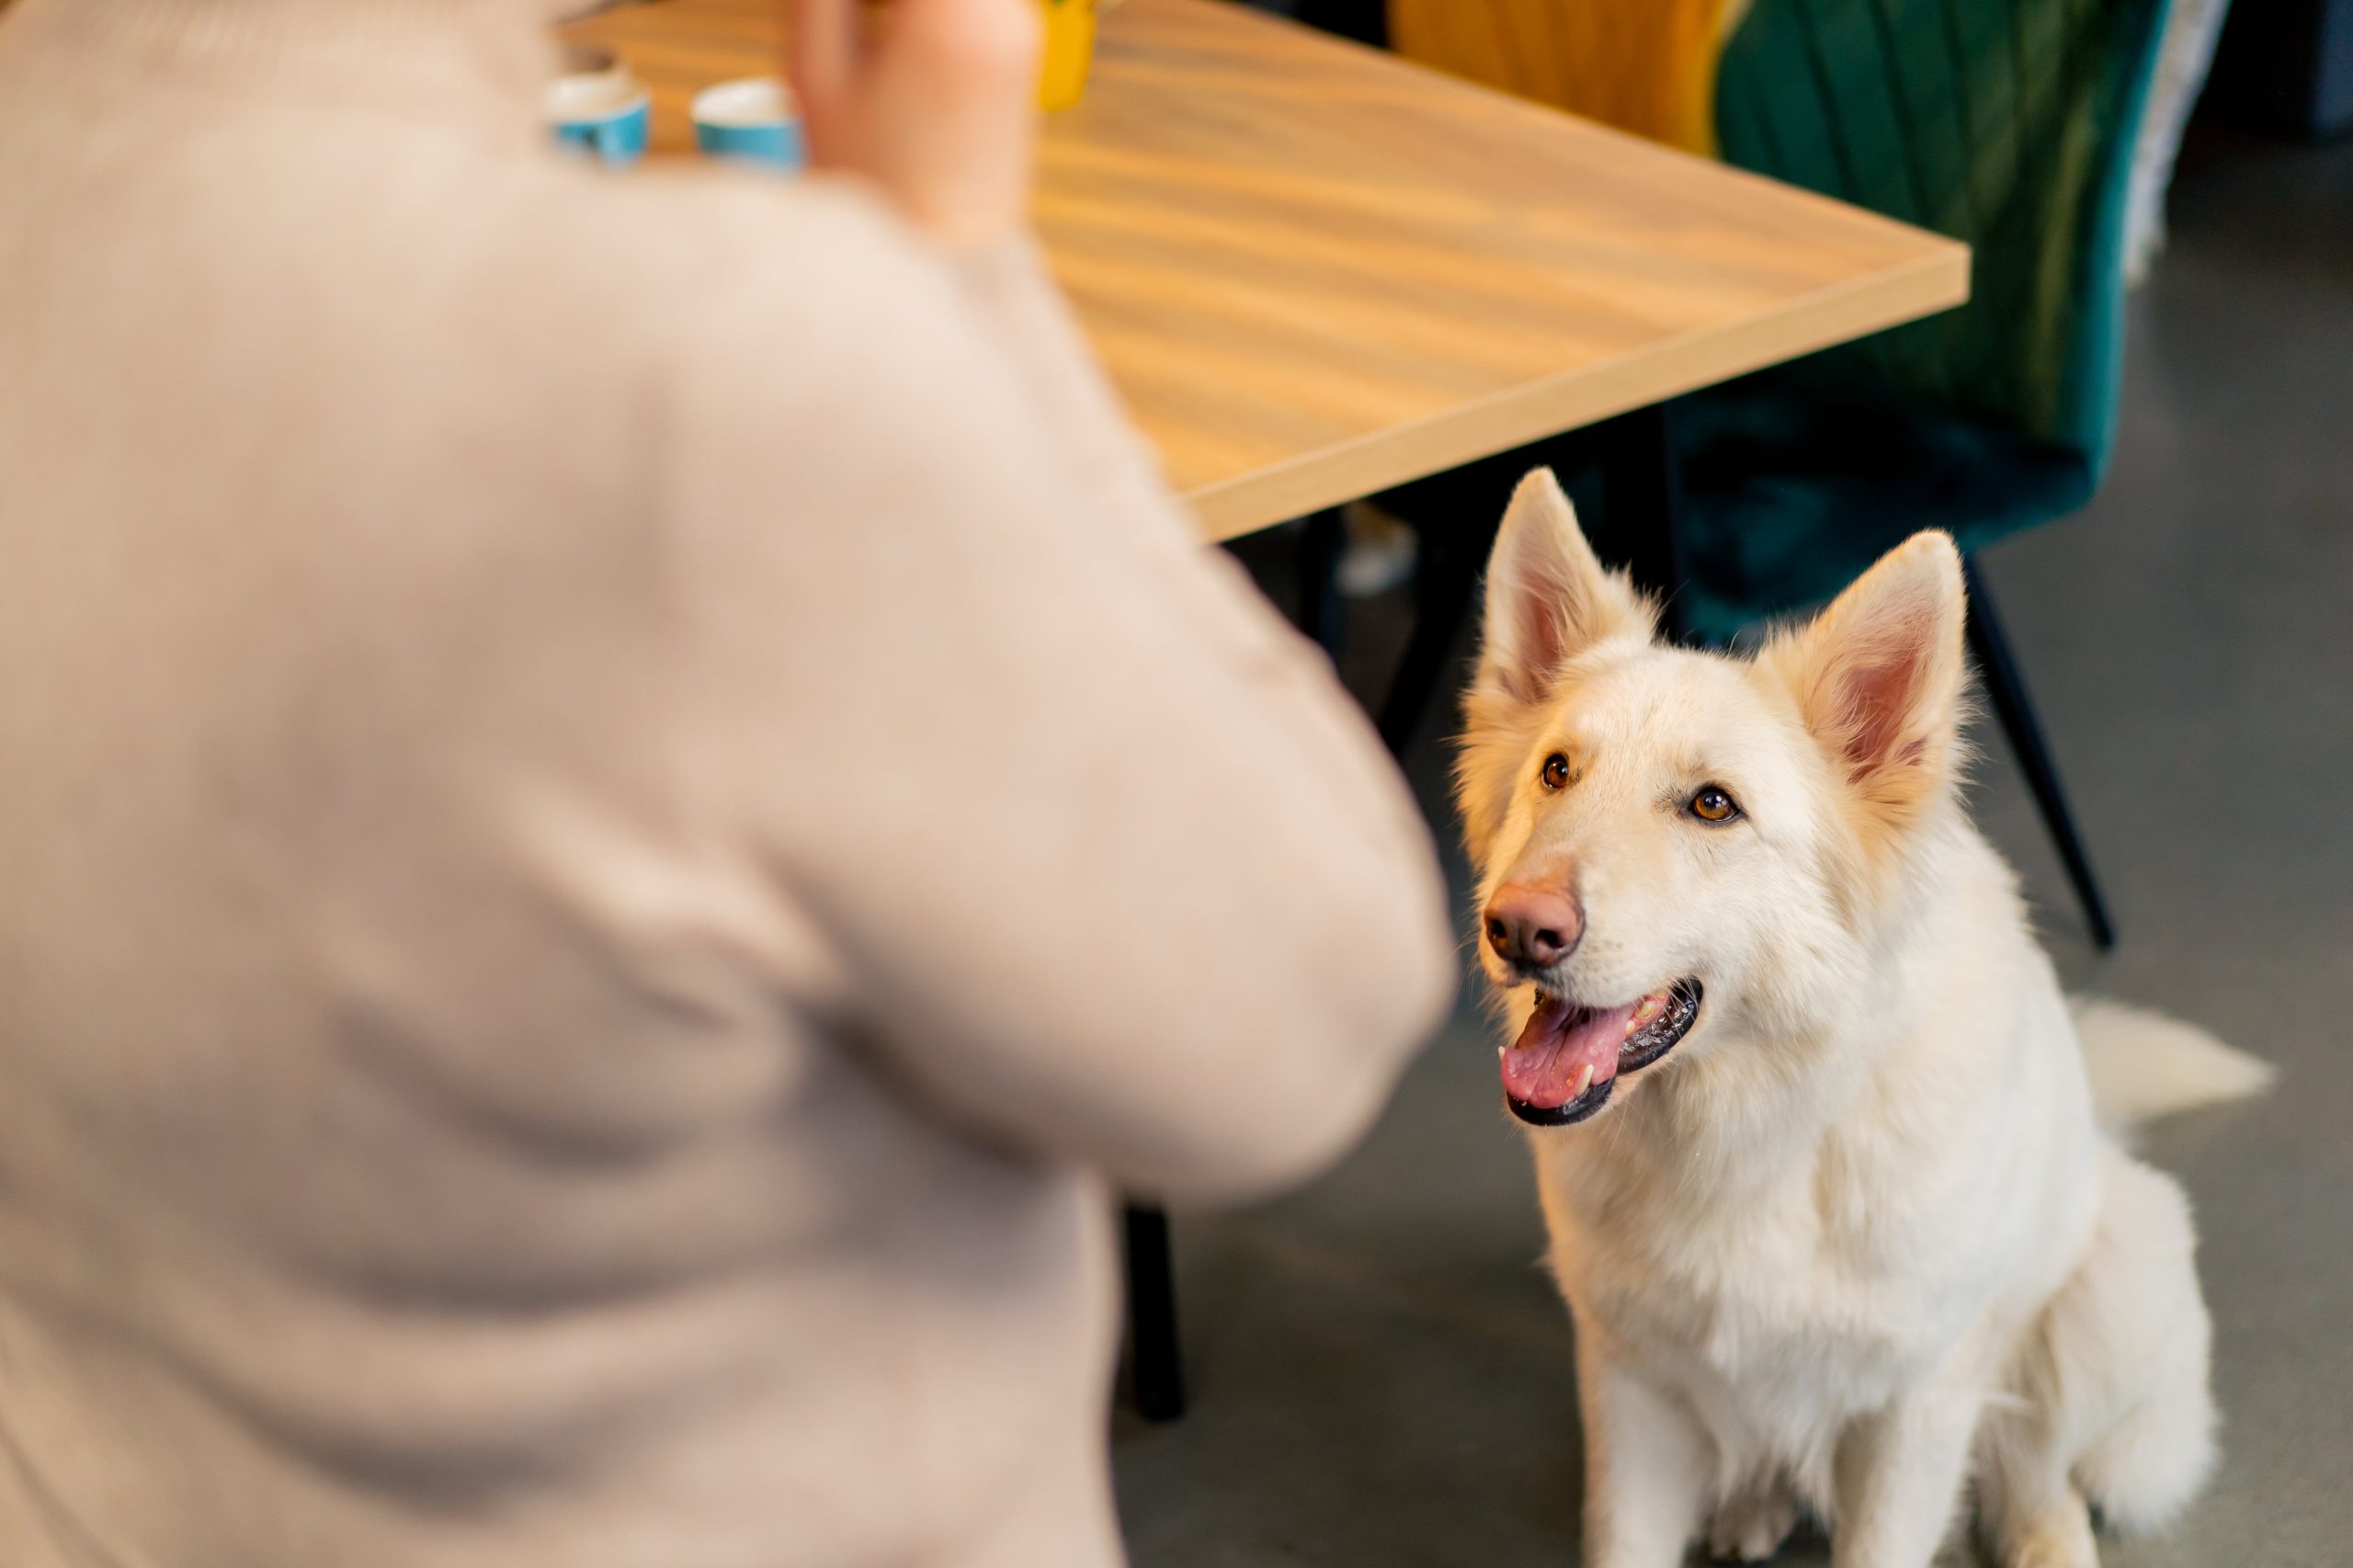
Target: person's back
{"points": [[619, 802]]}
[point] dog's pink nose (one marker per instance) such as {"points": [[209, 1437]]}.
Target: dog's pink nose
{"points": [[1533, 928]]}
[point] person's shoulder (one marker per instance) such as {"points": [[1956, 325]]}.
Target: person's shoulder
{"points": [[785, 288], [684, 247]]}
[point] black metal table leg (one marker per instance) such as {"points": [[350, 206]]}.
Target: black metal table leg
{"points": [[2005, 689], [1154, 1358], [1155, 1354]]}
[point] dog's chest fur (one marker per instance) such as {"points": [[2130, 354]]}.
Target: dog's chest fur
{"points": [[1785, 1299]]}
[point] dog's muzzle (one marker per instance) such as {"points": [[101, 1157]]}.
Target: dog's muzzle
{"points": [[1568, 1057]]}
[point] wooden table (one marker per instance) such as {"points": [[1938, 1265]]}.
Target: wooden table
{"points": [[1315, 272]]}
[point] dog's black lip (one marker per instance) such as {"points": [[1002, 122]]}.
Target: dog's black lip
{"points": [[1567, 1114], [1666, 1033], [1655, 1041]]}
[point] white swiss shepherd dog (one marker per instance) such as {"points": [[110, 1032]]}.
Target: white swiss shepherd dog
{"points": [[1832, 1171]]}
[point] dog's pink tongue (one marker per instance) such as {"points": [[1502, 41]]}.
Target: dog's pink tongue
{"points": [[1543, 1068]]}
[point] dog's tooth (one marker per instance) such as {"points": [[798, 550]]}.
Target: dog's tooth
{"points": [[1585, 1080]]}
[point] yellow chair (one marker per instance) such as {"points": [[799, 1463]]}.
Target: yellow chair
{"points": [[1647, 66]]}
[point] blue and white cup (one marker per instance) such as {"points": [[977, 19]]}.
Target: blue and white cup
{"points": [[754, 119], [599, 107]]}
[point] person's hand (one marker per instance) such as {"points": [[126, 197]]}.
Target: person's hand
{"points": [[935, 101]]}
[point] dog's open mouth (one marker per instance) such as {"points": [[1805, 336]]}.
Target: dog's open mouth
{"points": [[1567, 1060]]}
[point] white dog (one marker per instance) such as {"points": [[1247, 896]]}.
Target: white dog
{"points": [[1826, 1178]]}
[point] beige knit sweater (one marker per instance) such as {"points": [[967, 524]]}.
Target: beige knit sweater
{"points": [[622, 800]]}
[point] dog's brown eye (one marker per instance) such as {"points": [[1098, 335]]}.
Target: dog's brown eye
{"points": [[1556, 772], [1712, 804]]}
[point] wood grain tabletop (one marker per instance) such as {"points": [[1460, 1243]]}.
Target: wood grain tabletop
{"points": [[1315, 272]]}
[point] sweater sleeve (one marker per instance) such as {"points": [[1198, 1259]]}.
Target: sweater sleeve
{"points": [[1110, 867], [1022, 311]]}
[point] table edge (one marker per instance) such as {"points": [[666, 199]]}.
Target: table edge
{"points": [[1582, 395]]}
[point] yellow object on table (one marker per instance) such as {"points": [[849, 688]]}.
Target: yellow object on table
{"points": [[1070, 49]]}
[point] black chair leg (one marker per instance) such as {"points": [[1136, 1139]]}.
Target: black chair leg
{"points": [[1153, 1354], [2006, 691]]}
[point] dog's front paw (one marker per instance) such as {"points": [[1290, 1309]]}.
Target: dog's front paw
{"points": [[1751, 1526], [2059, 1538]]}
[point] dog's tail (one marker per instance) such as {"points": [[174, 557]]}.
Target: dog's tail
{"points": [[2144, 1065]]}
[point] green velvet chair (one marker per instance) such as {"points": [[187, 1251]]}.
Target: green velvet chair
{"points": [[2006, 123]]}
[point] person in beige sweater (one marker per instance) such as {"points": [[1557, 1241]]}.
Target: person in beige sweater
{"points": [[623, 804]]}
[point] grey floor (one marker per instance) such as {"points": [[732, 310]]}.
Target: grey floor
{"points": [[1380, 1374]]}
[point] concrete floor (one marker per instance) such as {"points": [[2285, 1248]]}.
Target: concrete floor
{"points": [[1380, 1376]]}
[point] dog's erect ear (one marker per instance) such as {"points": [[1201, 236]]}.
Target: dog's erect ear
{"points": [[1548, 597], [1879, 675]]}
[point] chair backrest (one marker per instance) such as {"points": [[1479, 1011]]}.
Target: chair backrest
{"points": [[1647, 66], [2006, 123]]}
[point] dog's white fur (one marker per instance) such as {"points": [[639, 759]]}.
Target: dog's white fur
{"points": [[1862, 1235]]}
